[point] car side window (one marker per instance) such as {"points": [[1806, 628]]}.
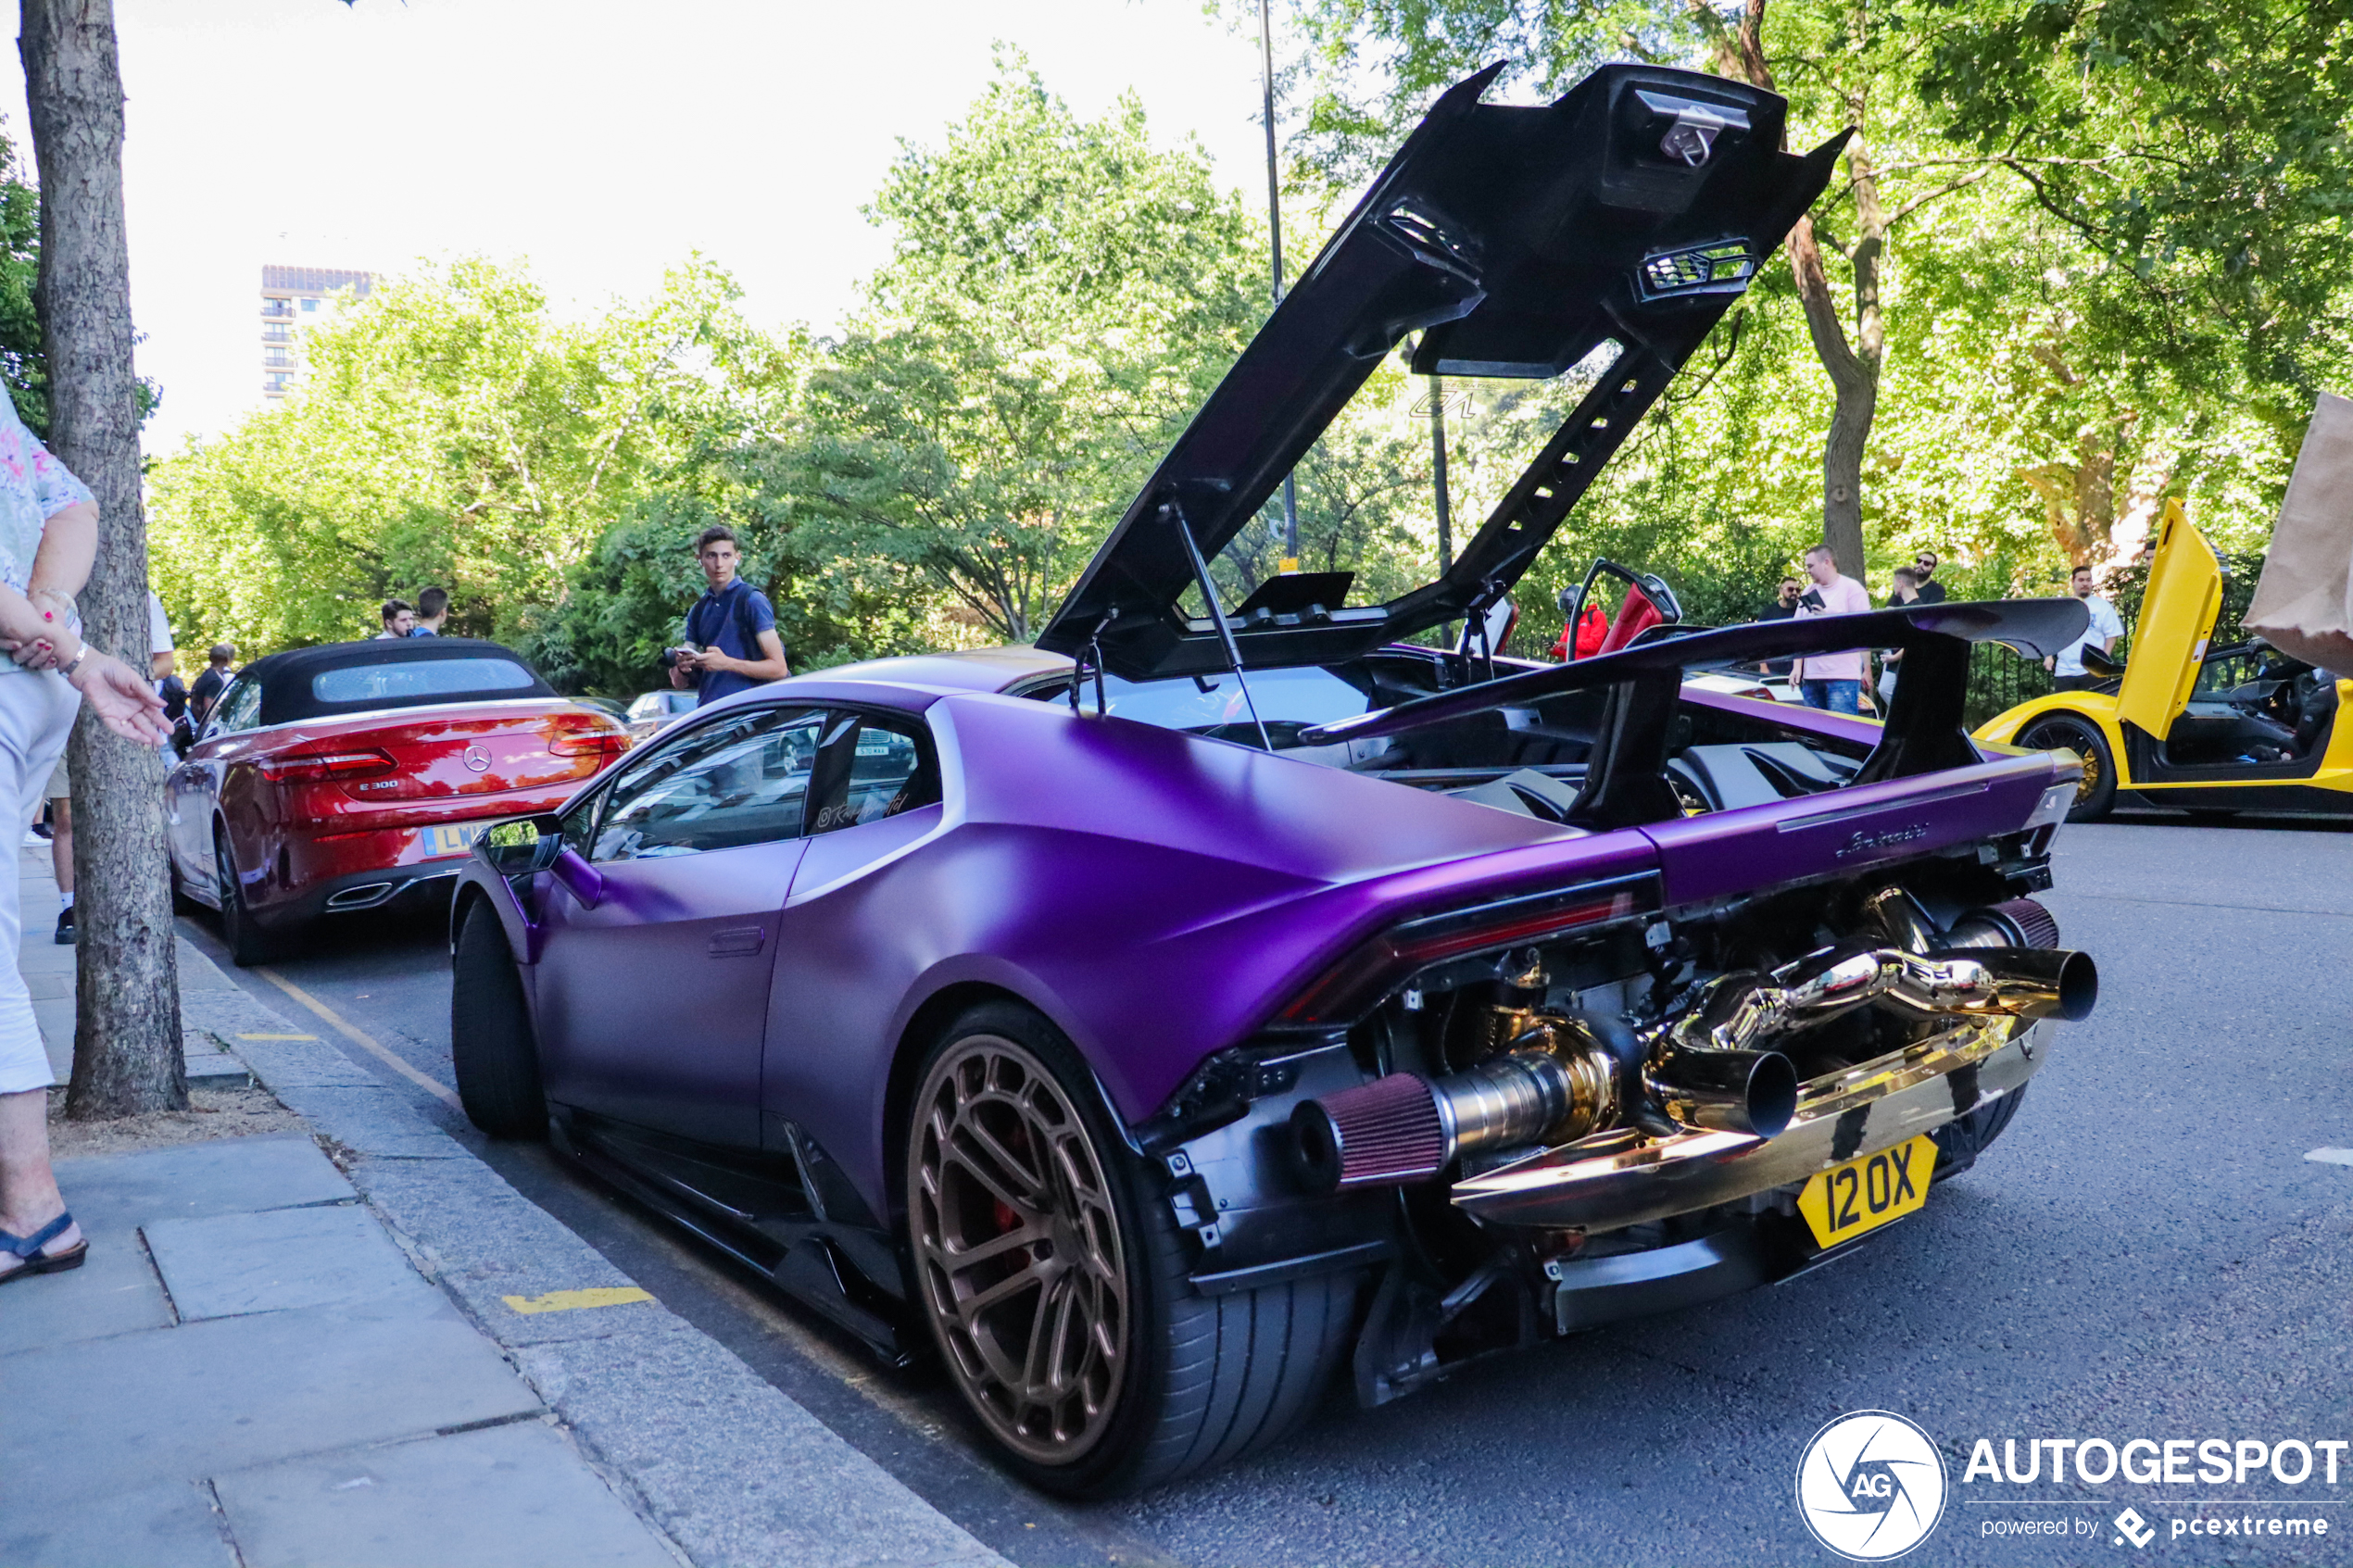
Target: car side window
{"points": [[872, 768], [240, 708], [743, 780]]}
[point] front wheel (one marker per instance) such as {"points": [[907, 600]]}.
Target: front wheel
{"points": [[492, 1049], [1054, 1279], [2069, 732]]}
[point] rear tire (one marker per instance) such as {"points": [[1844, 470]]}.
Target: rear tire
{"points": [[2071, 732], [248, 944], [180, 903], [492, 1047], [1961, 1140], [1168, 1381]]}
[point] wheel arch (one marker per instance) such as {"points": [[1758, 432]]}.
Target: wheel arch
{"points": [[470, 891], [2096, 709], [923, 1027]]}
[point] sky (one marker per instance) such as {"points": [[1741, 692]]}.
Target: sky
{"points": [[602, 141]]}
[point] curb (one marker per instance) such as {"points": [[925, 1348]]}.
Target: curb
{"points": [[716, 1458]]}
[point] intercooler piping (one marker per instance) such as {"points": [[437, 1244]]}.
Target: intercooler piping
{"points": [[1701, 1067]]}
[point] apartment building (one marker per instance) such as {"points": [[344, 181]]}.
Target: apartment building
{"points": [[292, 299]]}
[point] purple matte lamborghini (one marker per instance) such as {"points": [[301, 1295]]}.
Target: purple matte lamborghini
{"points": [[1158, 1023]]}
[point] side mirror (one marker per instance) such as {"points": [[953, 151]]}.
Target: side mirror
{"points": [[521, 845], [577, 877]]}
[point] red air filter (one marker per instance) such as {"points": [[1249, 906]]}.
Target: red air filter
{"points": [[2037, 927], [1386, 1131]]}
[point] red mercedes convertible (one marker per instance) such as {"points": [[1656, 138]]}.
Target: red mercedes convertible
{"points": [[344, 777]]}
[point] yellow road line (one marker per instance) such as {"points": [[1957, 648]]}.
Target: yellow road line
{"points": [[573, 1300], [439, 1090]]}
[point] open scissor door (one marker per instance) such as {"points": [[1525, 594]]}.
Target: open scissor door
{"points": [[2177, 617]]}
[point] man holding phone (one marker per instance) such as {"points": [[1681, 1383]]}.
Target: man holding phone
{"points": [[731, 643], [1833, 681]]}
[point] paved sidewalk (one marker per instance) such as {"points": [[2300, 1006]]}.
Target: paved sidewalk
{"points": [[386, 1357], [48, 971]]}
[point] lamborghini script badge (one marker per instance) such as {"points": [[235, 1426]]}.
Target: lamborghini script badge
{"points": [[1864, 842]]}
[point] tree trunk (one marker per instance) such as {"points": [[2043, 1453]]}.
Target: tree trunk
{"points": [[1854, 382], [126, 1047], [1853, 365]]}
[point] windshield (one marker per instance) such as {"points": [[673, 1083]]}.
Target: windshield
{"points": [[1287, 702]]}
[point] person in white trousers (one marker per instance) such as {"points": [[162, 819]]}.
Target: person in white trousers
{"points": [[48, 539]]}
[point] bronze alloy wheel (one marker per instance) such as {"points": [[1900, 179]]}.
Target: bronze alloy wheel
{"points": [[1018, 1251]]}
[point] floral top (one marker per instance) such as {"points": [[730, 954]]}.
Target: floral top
{"points": [[35, 487]]}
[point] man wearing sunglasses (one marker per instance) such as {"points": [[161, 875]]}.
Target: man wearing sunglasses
{"points": [[1925, 588]]}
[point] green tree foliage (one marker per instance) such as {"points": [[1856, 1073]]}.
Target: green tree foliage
{"points": [[452, 430], [2015, 394], [2202, 151], [1060, 294], [22, 365]]}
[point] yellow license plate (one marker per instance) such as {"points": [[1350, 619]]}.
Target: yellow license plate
{"points": [[1862, 1195], [451, 838]]}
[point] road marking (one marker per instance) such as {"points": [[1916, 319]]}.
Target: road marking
{"points": [[277, 1036], [2331, 1156], [573, 1300], [365, 1042]]}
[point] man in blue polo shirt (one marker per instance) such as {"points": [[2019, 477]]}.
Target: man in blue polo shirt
{"points": [[731, 643]]}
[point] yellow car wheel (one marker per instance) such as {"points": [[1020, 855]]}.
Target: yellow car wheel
{"points": [[2069, 732]]}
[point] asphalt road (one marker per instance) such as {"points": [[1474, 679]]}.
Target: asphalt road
{"points": [[2148, 1252]]}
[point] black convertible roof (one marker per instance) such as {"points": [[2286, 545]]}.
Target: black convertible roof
{"points": [[286, 692], [1518, 239]]}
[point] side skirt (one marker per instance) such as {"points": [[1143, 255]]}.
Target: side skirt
{"points": [[752, 1207]]}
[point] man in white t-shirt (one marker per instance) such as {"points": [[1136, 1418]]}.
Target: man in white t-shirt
{"points": [[2067, 669], [1831, 681]]}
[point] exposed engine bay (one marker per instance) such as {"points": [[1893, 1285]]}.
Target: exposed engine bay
{"points": [[1624, 1118]]}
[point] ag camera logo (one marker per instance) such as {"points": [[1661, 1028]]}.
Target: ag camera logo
{"points": [[1870, 1485]]}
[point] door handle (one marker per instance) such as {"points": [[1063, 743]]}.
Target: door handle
{"points": [[739, 942]]}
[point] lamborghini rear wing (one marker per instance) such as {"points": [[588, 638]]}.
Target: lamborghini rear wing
{"points": [[1626, 779]]}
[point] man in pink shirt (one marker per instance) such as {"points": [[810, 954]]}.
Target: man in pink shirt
{"points": [[1833, 681]]}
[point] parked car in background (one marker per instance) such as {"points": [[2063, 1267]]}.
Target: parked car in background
{"points": [[343, 777], [2207, 730], [1229, 995], [651, 711]]}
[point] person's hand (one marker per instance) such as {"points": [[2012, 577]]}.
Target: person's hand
{"points": [[34, 653], [122, 699]]}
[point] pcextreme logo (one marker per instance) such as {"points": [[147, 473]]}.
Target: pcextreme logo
{"points": [[1870, 1485]]}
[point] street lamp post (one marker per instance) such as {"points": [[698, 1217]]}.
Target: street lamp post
{"points": [[1274, 230]]}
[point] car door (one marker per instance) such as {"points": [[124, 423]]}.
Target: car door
{"points": [[192, 790], [2178, 610], [652, 1002], [876, 793]]}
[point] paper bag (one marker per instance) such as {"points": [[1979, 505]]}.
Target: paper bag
{"points": [[2304, 605]]}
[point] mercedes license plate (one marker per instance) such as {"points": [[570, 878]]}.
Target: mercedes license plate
{"points": [[451, 838], [1862, 1195]]}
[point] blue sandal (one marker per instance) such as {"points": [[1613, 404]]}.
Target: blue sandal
{"points": [[28, 1249]]}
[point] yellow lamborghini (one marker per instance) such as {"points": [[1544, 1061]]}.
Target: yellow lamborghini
{"points": [[2237, 728]]}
